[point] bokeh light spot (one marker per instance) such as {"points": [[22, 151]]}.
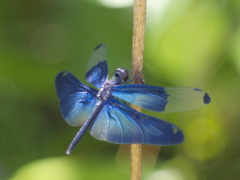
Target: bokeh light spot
{"points": [[155, 11], [50, 43], [57, 168], [203, 141], [116, 4], [167, 173]]}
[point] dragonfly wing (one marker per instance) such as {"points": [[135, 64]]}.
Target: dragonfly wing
{"points": [[118, 123], [162, 99], [97, 70], [76, 99], [184, 99]]}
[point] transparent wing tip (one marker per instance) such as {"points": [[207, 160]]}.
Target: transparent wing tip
{"points": [[206, 97], [98, 46]]}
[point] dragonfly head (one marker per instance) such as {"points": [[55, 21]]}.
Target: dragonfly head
{"points": [[121, 75]]}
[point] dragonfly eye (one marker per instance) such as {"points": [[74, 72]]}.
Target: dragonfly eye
{"points": [[122, 74]]}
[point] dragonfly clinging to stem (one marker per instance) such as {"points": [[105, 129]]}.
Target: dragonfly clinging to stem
{"points": [[114, 121]]}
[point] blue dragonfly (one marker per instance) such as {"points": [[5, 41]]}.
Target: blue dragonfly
{"points": [[114, 121]]}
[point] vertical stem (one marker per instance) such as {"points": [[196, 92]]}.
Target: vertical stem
{"points": [[139, 19]]}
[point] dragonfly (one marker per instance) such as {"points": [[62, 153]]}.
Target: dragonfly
{"points": [[113, 120]]}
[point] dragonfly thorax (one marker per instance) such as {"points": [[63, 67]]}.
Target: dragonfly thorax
{"points": [[120, 76], [105, 91]]}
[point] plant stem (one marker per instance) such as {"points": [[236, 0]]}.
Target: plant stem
{"points": [[139, 19]]}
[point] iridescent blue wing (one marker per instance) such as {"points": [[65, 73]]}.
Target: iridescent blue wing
{"points": [[162, 99], [76, 99], [97, 70], [118, 123]]}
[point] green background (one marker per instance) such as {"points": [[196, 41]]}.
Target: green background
{"points": [[189, 43]]}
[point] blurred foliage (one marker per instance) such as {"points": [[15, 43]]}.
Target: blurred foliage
{"points": [[189, 43]]}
